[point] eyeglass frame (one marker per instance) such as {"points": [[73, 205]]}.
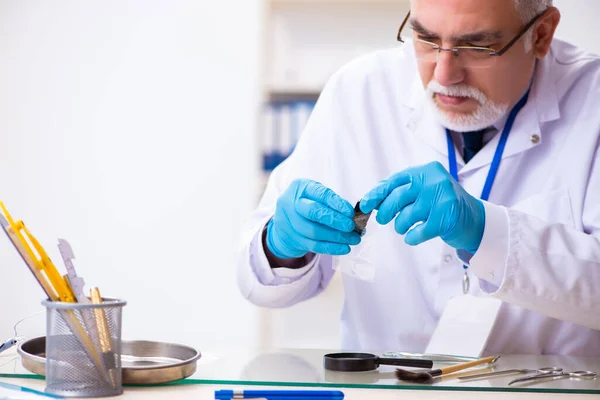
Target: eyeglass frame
{"points": [[493, 53]]}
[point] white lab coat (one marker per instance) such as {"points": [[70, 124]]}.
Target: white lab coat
{"points": [[542, 233]]}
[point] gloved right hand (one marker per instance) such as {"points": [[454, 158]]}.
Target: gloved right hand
{"points": [[310, 218]]}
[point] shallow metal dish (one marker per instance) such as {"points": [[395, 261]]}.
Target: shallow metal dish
{"points": [[143, 362]]}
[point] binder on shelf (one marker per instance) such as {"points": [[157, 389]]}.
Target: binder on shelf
{"points": [[283, 123], [287, 128]]}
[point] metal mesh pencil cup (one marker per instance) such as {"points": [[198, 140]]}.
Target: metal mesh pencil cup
{"points": [[83, 348]]}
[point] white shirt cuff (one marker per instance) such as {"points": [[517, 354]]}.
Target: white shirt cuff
{"points": [[274, 276], [489, 263]]}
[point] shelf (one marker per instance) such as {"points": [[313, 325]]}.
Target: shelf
{"points": [[293, 92], [293, 96], [311, 40], [361, 3]]}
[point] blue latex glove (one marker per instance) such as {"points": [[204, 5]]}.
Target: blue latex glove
{"points": [[310, 218], [430, 195]]}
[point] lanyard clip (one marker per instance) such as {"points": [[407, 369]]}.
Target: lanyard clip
{"points": [[466, 283]]}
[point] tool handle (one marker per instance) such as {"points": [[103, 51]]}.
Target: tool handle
{"points": [[489, 375], [459, 367], [406, 362], [103, 328]]}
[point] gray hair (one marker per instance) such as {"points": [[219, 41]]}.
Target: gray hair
{"points": [[528, 10]]}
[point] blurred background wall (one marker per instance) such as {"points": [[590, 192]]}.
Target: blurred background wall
{"points": [[128, 127], [579, 23], [143, 132]]}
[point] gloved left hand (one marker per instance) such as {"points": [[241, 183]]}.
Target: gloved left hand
{"points": [[428, 194]]}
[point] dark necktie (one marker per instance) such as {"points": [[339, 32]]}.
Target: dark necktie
{"points": [[473, 142]]}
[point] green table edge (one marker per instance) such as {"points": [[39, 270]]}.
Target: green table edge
{"points": [[191, 381]]}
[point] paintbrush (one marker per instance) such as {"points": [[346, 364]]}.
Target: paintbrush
{"points": [[427, 376]]}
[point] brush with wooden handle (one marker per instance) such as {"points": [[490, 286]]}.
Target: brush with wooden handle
{"points": [[427, 376], [104, 336]]}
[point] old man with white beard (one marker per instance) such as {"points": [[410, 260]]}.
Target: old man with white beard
{"points": [[475, 147]]}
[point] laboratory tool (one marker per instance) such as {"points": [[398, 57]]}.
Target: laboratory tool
{"points": [[351, 362], [76, 282], [53, 284], [427, 376], [559, 374], [142, 362], [69, 370], [437, 358], [495, 374]]}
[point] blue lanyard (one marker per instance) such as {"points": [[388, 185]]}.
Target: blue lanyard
{"points": [[489, 182]]}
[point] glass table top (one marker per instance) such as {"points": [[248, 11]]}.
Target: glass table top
{"points": [[304, 367]]}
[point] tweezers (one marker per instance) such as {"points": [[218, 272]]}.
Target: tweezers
{"points": [[439, 358]]}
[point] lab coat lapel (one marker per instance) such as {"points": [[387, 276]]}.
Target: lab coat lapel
{"points": [[526, 133], [526, 127]]}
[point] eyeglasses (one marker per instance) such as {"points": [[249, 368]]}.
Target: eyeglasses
{"points": [[468, 56]]}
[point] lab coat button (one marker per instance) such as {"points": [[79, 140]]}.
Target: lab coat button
{"points": [[535, 139], [447, 258]]}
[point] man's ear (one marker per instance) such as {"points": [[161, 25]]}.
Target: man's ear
{"points": [[544, 32]]}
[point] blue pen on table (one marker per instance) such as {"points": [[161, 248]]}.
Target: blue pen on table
{"points": [[23, 389], [279, 394], [287, 397]]}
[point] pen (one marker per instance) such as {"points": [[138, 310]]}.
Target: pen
{"points": [[23, 389], [104, 336], [310, 397], [279, 394]]}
